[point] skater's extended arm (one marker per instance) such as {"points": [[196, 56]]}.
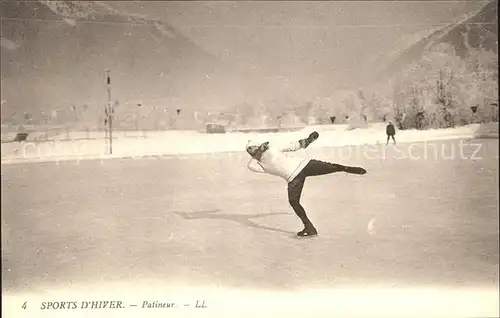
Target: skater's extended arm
{"points": [[301, 144], [255, 166], [293, 146]]}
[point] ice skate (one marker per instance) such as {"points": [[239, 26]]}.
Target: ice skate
{"points": [[307, 232], [355, 170]]}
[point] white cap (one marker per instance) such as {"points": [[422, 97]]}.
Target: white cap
{"points": [[251, 143]]}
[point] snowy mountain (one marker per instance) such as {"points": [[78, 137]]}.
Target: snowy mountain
{"points": [[478, 30], [54, 54]]}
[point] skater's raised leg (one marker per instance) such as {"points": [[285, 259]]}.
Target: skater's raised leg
{"points": [[294, 192], [318, 168]]}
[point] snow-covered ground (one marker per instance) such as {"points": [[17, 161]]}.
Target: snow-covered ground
{"points": [[94, 145]]}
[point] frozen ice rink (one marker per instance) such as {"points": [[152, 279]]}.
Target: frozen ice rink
{"points": [[205, 222]]}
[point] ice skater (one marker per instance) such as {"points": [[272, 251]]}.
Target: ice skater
{"points": [[270, 159]]}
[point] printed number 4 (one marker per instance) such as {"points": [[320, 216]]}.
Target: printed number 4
{"points": [[24, 305]]}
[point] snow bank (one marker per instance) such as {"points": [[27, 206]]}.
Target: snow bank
{"points": [[85, 145], [489, 130]]}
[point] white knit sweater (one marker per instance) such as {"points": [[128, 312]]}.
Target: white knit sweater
{"points": [[276, 162]]}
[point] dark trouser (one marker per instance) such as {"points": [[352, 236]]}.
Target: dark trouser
{"points": [[390, 136], [313, 168]]}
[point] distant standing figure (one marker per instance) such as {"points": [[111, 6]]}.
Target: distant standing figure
{"points": [[391, 132]]}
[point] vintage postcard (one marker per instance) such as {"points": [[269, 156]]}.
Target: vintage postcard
{"points": [[249, 158]]}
